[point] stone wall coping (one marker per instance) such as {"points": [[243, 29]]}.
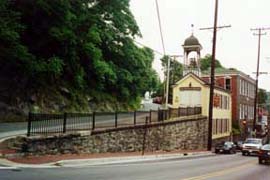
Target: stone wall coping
{"points": [[153, 124]]}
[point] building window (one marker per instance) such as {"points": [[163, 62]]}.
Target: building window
{"points": [[229, 102], [248, 90], [221, 101], [217, 125], [245, 88], [240, 86], [214, 126], [240, 111], [228, 84]]}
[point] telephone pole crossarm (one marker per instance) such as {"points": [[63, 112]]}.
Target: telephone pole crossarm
{"points": [[218, 27]]}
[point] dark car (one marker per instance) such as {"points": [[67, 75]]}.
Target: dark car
{"points": [[239, 145], [264, 154], [226, 147], [157, 100]]}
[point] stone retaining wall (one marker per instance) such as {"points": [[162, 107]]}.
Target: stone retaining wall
{"points": [[179, 134]]}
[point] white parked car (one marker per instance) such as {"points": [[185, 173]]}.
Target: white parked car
{"points": [[251, 146]]}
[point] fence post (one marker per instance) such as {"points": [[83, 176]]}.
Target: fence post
{"points": [[93, 120], [29, 124], [150, 115], [135, 117], [65, 123], [163, 114], [115, 123], [144, 135], [158, 115]]}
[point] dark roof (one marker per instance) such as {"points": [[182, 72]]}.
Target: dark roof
{"points": [[224, 71], [191, 41]]}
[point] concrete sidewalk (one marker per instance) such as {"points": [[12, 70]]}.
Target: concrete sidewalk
{"points": [[90, 160]]}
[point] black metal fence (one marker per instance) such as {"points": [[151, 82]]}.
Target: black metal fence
{"points": [[69, 122]]}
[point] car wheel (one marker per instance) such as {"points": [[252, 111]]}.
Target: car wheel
{"points": [[260, 161], [216, 151], [243, 153], [231, 151]]}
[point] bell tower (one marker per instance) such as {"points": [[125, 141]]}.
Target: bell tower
{"points": [[192, 55]]}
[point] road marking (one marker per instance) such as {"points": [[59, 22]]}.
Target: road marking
{"points": [[221, 172]]}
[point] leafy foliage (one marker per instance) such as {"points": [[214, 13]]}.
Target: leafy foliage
{"points": [[176, 73], [262, 96], [176, 69], [206, 63], [85, 44]]}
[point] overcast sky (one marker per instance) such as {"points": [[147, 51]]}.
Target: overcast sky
{"points": [[236, 46]]}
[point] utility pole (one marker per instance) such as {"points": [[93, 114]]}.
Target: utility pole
{"points": [[257, 72], [167, 82], [212, 85]]}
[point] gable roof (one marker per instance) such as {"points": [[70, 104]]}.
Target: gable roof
{"points": [[201, 81]]}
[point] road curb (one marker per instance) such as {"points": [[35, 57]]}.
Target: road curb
{"points": [[106, 161], [133, 159]]}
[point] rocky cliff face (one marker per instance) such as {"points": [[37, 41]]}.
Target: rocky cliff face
{"points": [[17, 101]]}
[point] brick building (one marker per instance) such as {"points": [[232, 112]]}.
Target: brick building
{"points": [[242, 89]]}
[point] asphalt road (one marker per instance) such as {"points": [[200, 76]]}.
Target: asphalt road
{"points": [[221, 167], [11, 129]]}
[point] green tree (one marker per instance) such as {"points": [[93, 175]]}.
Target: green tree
{"points": [[176, 69], [206, 63], [176, 73], [86, 45], [262, 96]]}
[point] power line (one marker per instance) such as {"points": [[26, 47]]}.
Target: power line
{"points": [[160, 28], [156, 51], [164, 52]]}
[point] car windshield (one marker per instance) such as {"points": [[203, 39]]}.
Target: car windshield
{"points": [[239, 142], [253, 141], [266, 147], [227, 144]]}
